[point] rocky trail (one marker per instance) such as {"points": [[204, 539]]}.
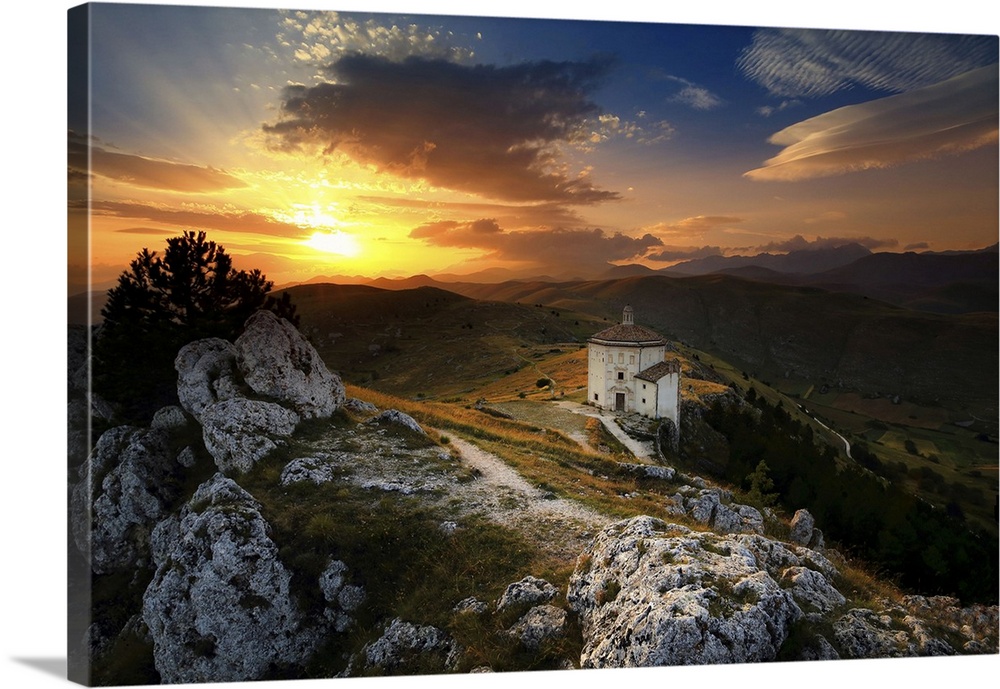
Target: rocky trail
{"points": [[565, 525]]}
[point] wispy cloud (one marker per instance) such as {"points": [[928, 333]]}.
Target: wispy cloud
{"points": [[556, 249], [491, 131], [146, 172], [957, 115], [797, 63], [695, 225], [202, 217]]}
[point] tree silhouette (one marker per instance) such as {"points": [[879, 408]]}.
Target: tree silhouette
{"points": [[160, 304]]}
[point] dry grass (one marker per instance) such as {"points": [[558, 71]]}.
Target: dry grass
{"points": [[548, 459]]}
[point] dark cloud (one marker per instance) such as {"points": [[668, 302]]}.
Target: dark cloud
{"points": [[556, 249], [145, 172], [482, 129], [917, 245], [800, 243], [684, 253], [228, 221]]}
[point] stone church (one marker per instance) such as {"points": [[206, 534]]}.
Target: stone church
{"points": [[627, 371]]}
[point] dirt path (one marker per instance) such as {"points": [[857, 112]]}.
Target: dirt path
{"points": [[643, 450], [504, 496]]}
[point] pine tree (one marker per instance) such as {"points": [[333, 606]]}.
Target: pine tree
{"points": [[160, 304]]}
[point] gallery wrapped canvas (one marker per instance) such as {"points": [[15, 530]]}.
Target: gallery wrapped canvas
{"points": [[412, 344]]}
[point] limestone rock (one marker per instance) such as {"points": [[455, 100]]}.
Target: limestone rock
{"points": [[404, 645], [802, 527], [169, 418], [811, 590], [539, 624], [206, 374], [279, 363], [125, 490], [219, 607], [708, 508], [650, 471], [342, 598], [649, 593], [353, 404], [471, 605], [319, 468], [530, 591], [398, 418], [240, 432]]}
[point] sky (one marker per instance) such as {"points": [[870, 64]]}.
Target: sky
{"points": [[324, 143]]}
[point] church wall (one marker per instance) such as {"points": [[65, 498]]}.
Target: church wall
{"points": [[668, 398]]}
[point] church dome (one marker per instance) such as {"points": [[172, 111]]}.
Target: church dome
{"points": [[628, 333]]}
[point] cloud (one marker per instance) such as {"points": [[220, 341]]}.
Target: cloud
{"points": [[916, 245], [954, 116], [508, 215], [557, 248], [696, 225], [803, 63], [684, 253], [315, 36], [800, 243], [486, 130], [147, 172], [768, 110], [201, 218], [697, 97]]}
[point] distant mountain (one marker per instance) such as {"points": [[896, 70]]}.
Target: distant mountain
{"points": [[626, 271], [800, 332], [795, 262]]}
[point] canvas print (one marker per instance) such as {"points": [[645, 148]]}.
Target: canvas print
{"points": [[412, 344]]}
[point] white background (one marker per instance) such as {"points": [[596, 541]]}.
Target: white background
{"points": [[33, 257]]}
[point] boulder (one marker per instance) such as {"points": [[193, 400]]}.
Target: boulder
{"points": [[206, 374], [802, 527], [405, 647], [470, 605], [126, 487], [530, 591], [219, 607], [353, 404], [541, 623], [342, 598], [279, 363], [811, 590], [319, 468], [649, 593], [398, 418], [240, 432]]}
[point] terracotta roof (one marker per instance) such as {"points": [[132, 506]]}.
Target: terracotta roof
{"points": [[629, 334], [657, 371]]}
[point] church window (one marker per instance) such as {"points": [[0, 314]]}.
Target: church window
{"points": [[621, 358], [621, 375], [643, 400], [595, 396], [631, 358]]}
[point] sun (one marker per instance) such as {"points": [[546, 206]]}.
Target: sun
{"points": [[334, 242]]}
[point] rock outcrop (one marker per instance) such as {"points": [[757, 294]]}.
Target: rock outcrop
{"points": [[649, 593], [279, 363], [206, 374], [529, 591], [405, 647], [219, 607], [240, 432], [126, 487], [541, 623]]}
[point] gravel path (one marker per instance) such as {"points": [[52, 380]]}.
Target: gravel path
{"points": [[506, 497], [643, 450]]}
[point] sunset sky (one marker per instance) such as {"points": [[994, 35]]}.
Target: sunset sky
{"points": [[325, 143]]}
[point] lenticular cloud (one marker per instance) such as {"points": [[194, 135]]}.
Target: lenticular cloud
{"points": [[956, 115]]}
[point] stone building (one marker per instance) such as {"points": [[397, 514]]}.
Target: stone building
{"points": [[627, 371]]}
